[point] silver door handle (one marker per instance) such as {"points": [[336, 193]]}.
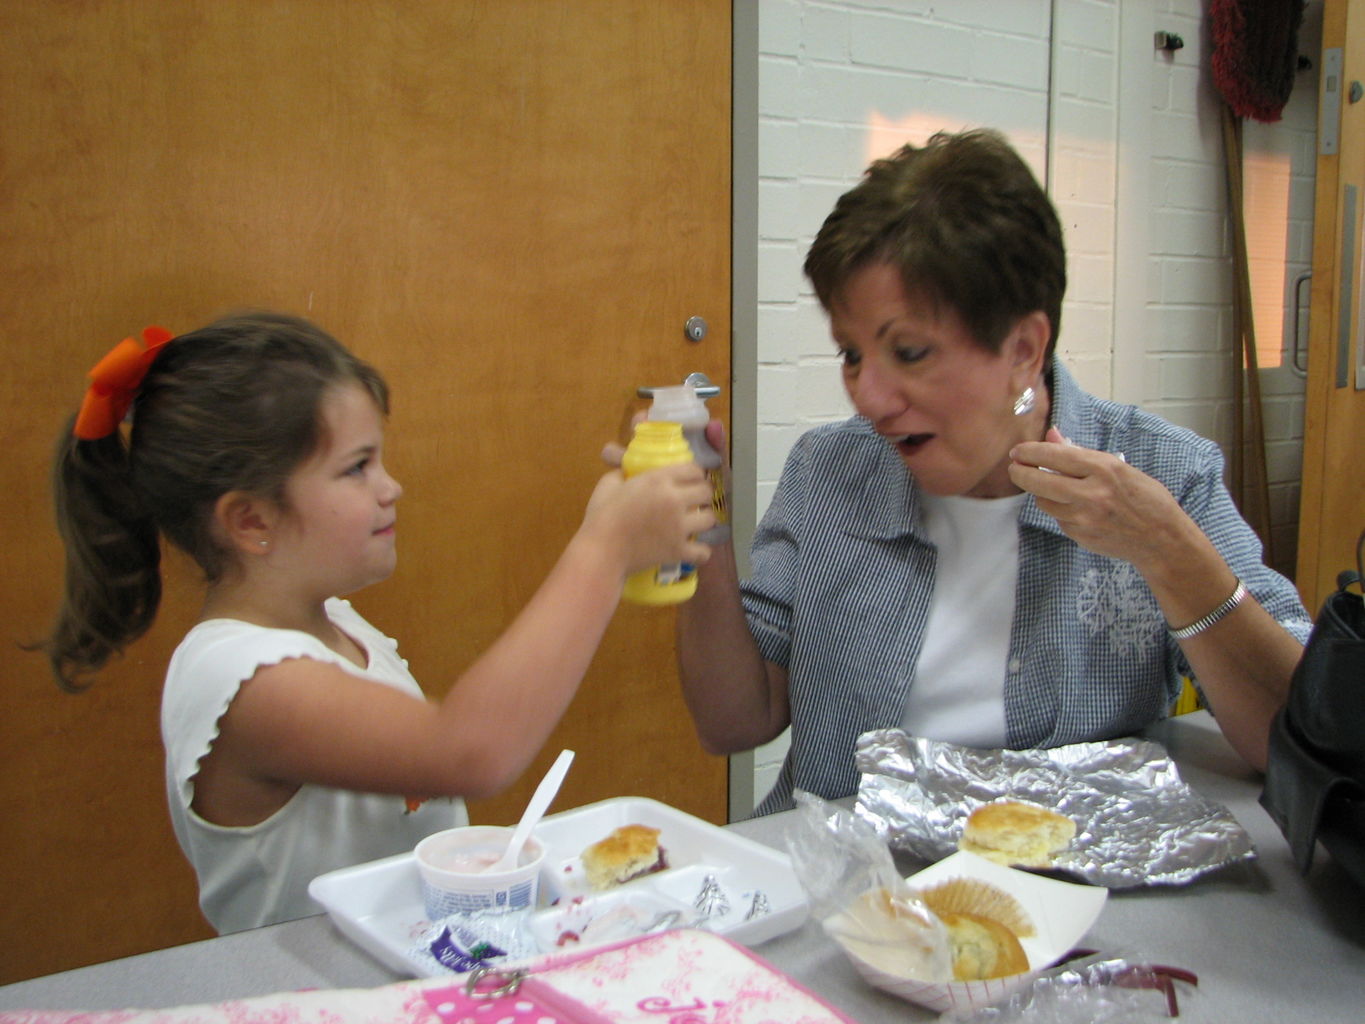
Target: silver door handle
{"points": [[699, 381], [1296, 348]]}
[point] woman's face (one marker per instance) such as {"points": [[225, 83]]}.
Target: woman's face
{"points": [[942, 401]]}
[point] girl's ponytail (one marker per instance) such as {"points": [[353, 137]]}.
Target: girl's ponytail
{"points": [[113, 556], [233, 406]]}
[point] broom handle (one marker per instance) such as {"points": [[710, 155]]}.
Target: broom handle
{"points": [[1246, 350]]}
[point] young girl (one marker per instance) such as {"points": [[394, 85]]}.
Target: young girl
{"points": [[292, 727]]}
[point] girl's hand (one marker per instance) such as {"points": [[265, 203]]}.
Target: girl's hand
{"points": [[613, 453], [1101, 502], [652, 517]]}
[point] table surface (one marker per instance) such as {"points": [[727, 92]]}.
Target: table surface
{"points": [[1266, 943]]}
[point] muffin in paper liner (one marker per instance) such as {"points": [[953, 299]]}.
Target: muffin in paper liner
{"points": [[1060, 912]]}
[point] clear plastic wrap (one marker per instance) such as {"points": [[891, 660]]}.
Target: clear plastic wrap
{"points": [[1108, 991], [859, 897]]}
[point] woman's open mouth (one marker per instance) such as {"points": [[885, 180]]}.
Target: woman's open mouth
{"points": [[909, 444]]}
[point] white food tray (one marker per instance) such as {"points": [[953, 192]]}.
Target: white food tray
{"points": [[378, 905]]}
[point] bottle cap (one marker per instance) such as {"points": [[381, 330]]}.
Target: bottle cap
{"points": [[678, 404]]}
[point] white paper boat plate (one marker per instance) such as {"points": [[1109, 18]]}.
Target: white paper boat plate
{"points": [[1061, 912], [716, 879]]}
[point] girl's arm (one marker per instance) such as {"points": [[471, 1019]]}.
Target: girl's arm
{"points": [[305, 721]]}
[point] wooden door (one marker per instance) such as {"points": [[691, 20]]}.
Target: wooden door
{"points": [[511, 208], [1332, 503]]}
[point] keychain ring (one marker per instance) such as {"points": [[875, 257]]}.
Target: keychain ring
{"points": [[511, 982]]}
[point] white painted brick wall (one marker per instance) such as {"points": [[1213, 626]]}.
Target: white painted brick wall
{"points": [[843, 81], [1187, 350]]}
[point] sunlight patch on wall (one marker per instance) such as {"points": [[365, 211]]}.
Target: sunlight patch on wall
{"points": [[1265, 210], [885, 134]]}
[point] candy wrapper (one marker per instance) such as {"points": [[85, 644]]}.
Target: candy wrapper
{"points": [[1138, 823], [461, 942]]}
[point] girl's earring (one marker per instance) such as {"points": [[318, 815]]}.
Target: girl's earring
{"points": [[264, 543], [1023, 405]]}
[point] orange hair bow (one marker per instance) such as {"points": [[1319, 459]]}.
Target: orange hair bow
{"points": [[114, 382]]}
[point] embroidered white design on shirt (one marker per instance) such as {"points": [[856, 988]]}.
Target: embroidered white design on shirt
{"points": [[1111, 605]]}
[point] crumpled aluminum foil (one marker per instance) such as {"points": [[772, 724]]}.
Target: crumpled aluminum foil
{"points": [[1137, 822]]}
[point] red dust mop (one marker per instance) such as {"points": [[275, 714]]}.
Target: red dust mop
{"points": [[1255, 54]]}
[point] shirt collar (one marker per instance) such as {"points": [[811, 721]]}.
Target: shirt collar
{"points": [[1068, 407], [1066, 413]]}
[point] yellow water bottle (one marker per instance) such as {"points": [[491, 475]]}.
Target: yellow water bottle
{"points": [[658, 443]]}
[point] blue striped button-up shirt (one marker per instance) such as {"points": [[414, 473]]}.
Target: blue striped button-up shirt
{"points": [[842, 575]]}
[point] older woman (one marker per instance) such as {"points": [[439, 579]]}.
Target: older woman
{"points": [[984, 554]]}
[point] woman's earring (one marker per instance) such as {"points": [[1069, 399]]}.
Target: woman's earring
{"points": [[1023, 405], [266, 543]]}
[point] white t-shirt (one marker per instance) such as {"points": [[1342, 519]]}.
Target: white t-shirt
{"points": [[259, 874], [958, 694]]}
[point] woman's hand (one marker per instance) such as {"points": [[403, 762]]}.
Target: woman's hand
{"points": [[1102, 503]]}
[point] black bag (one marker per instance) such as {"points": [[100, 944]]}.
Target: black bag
{"points": [[1315, 776]]}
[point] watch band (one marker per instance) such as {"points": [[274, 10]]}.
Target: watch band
{"points": [[1199, 625]]}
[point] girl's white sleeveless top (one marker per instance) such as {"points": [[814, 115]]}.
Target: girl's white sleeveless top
{"points": [[258, 875]]}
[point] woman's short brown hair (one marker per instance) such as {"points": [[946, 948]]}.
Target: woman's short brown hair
{"points": [[964, 221]]}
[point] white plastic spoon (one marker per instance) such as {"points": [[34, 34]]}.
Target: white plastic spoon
{"points": [[535, 810]]}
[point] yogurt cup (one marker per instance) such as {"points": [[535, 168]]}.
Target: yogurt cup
{"points": [[454, 864]]}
